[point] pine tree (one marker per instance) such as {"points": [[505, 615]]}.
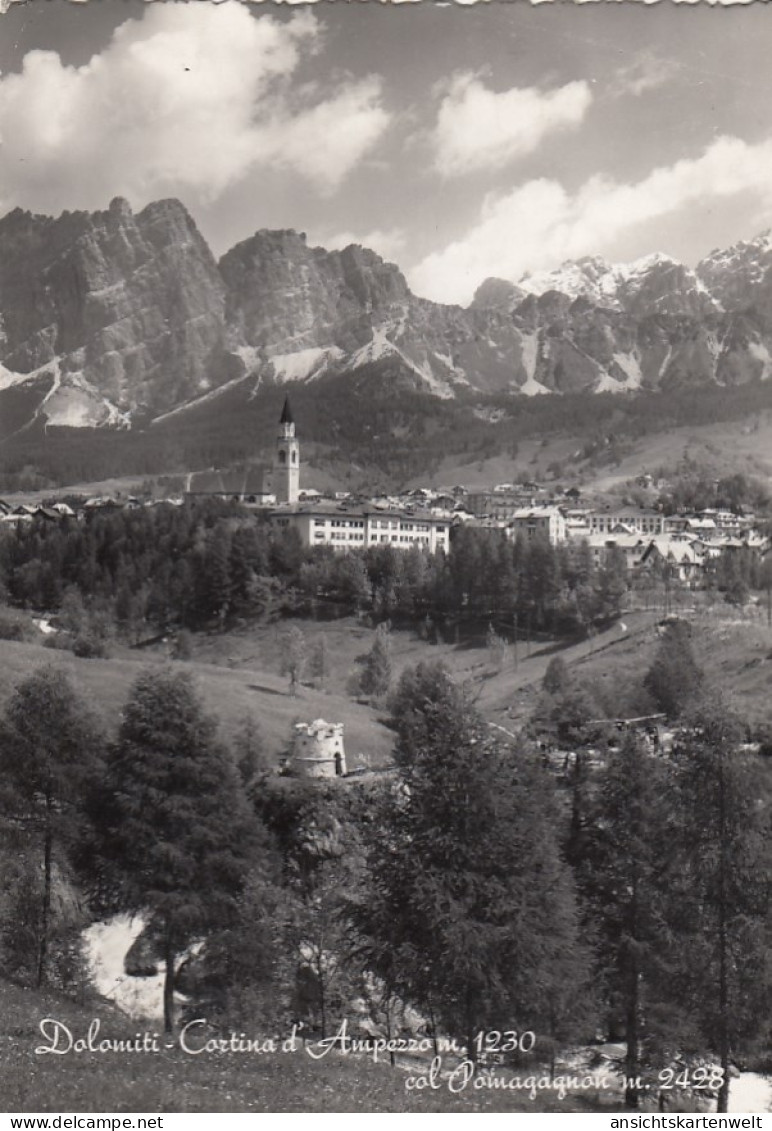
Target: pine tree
{"points": [[557, 678], [50, 760], [674, 678], [294, 656], [213, 584], [249, 751], [612, 583], [312, 826], [178, 831], [625, 870], [377, 672], [321, 662], [497, 647], [722, 895], [469, 912]]}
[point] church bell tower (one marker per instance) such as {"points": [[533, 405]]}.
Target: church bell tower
{"points": [[286, 461]]}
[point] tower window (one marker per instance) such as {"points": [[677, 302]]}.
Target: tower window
{"points": [[282, 457], [294, 457]]}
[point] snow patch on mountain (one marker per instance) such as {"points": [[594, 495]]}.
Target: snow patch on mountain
{"points": [[665, 362], [534, 388], [615, 286], [761, 353], [74, 403], [607, 384], [590, 277], [381, 346], [9, 378], [529, 346], [631, 368], [251, 357], [212, 395], [304, 365], [642, 266], [435, 384]]}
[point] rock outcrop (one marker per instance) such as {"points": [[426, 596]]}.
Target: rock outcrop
{"points": [[124, 309], [112, 317]]}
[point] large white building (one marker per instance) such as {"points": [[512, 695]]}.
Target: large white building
{"points": [[627, 520], [347, 529], [540, 522]]}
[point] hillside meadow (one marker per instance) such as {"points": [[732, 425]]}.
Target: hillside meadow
{"points": [[229, 693], [172, 1080]]}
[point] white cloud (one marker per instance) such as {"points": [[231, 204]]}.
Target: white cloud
{"points": [[479, 129], [327, 141], [388, 243], [646, 72], [539, 225], [190, 97]]}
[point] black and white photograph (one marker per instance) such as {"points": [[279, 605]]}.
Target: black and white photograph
{"points": [[385, 560]]}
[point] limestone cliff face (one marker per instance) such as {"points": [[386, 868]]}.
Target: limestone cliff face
{"points": [[741, 276], [122, 307], [107, 318], [287, 296]]}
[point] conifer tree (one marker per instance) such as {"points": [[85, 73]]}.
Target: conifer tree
{"points": [[721, 896], [50, 760], [674, 678], [178, 830], [321, 662], [377, 672], [469, 912], [625, 870], [557, 678], [294, 656]]}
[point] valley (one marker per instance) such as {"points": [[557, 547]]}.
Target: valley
{"points": [[128, 349]]}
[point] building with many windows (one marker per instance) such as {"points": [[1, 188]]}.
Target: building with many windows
{"points": [[345, 529], [627, 520], [540, 522], [340, 525]]}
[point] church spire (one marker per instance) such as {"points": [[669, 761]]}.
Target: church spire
{"points": [[286, 464]]}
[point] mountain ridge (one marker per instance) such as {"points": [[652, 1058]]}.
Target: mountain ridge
{"points": [[116, 318]]}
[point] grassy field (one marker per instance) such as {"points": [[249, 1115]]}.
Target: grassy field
{"points": [[733, 647], [172, 1080], [736, 446], [231, 693], [502, 694], [238, 672]]}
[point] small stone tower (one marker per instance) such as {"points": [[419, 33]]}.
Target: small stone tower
{"points": [[286, 461], [317, 750]]}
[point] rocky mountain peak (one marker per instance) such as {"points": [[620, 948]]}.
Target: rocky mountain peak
{"points": [[120, 207], [124, 308], [497, 294], [108, 311], [285, 295], [738, 277]]}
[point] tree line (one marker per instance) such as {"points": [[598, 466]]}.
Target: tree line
{"points": [[151, 570], [628, 896], [393, 438]]}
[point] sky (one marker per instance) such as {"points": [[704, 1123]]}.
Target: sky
{"points": [[460, 142]]}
